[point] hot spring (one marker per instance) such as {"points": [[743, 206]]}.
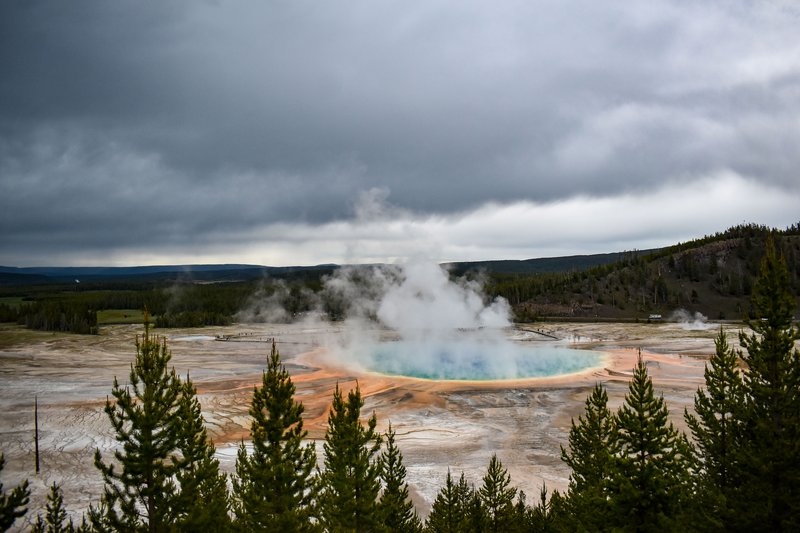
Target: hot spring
{"points": [[474, 359], [445, 329]]}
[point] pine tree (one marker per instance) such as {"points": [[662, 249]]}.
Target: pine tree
{"points": [[465, 493], [522, 515], [769, 496], [590, 457], [202, 503], [146, 423], [549, 515], [497, 497], [13, 504], [650, 475], [274, 487], [475, 513], [396, 511], [350, 483], [717, 429], [449, 508], [55, 519], [163, 452]]}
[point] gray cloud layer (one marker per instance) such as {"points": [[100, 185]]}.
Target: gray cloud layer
{"points": [[202, 124]]}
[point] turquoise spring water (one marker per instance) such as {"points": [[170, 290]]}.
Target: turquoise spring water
{"points": [[481, 361]]}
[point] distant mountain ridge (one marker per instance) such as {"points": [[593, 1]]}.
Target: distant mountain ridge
{"points": [[120, 271], [246, 271], [544, 265], [215, 272]]}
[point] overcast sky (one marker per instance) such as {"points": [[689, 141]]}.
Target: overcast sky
{"points": [[305, 132]]}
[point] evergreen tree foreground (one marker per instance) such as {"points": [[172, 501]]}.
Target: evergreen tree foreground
{"points": [[395, 510], [163, 476], [350, 483], [274, 488], [12, 504]]}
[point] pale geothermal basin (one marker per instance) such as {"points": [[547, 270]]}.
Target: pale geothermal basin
{"points": [[439, 424]]}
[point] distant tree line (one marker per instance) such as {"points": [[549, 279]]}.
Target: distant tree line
{"points": [[631, 469], [74, 309], [713, 275], [66, 316]]}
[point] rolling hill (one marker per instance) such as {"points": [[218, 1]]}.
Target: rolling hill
{"points": [[712, 275]]}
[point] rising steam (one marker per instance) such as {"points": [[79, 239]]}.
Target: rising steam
{"points": [[444, 329], [689, 321], [413, 319], [426, 300]]}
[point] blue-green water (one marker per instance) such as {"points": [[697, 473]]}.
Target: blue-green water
{"points": [[476, 360]]}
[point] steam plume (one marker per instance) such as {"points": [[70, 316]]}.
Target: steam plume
{"points": [[413, 319], [689, 321], [445, 329]]}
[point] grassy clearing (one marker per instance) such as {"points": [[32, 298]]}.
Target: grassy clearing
{"points": [[120, 316]]}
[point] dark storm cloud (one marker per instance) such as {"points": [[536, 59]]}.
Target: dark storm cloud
{"points": [[124, 123]]}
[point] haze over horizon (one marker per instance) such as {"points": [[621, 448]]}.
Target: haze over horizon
{"points": [[303, 133]]}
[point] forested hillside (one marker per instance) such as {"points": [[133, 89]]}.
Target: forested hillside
{"points": [[712, 275]]}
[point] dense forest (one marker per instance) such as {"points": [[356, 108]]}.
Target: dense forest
{"points": [[184, 303], [631, 470], [713, 275]]}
